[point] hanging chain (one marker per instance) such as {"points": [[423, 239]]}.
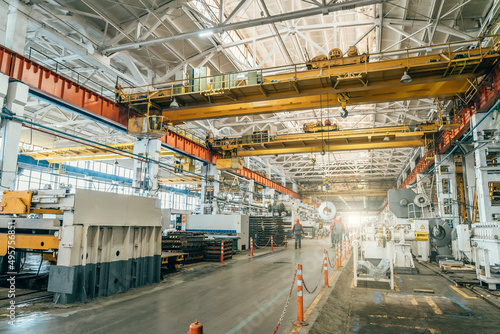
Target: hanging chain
{"points": [[328, 257], [287, 302], [317, 284]]}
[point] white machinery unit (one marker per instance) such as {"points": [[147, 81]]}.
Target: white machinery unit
{"points": [[486, 252], [420, 243], [103, 243], [414, 233], [372, 251], [461, 243], [486, 234], [173, 219], [230, 226]]}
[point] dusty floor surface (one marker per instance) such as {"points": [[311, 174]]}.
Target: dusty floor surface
{"points": [[373, 308]]}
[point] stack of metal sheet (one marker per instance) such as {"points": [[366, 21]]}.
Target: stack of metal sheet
{"points": [[262, 228], [213, 249], [192, 243]]}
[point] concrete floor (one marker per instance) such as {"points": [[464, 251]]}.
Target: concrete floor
{"points": [[248, 295], [241, 296], [373, 308]]}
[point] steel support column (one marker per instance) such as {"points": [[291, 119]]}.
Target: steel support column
{"points": [[10, 131], [211, 180]]}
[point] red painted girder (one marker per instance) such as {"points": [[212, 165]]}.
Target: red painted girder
{"points": [[488, 93], [247, 173], [37, 76]]}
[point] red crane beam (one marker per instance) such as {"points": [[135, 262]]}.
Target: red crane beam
{"points": [[57, 87]]}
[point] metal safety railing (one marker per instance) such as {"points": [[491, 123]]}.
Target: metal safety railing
{"points": [[218, 83], [58, 67]]}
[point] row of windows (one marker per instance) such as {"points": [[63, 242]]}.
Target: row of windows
{"points": [[102, 167], [35, 179]]}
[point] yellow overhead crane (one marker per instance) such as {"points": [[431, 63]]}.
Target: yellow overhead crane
{"points": [[262, 143], [75, 153], [304, 86]]}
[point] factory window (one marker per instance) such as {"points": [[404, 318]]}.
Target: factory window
{"points": [[109, 169], [35, 177]]}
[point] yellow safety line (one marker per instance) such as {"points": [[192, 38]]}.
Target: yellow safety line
{"points": [[436, 308], [432, 330], [413, 300], [316, 300], [460, 292]]}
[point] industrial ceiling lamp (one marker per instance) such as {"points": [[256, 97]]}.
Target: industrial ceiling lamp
{"points": [[174, 104], [406, 77]]}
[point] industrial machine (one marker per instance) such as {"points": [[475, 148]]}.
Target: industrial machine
{"points": [[174, 219], [411, 228], [486, 252], [373, 254], [222, 226], [485, 234], [103, 243]]}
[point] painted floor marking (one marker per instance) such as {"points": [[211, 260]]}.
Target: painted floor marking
{"points": [[377, 297], [460, 292], [459, 304], [432, 304], [413, 300], [433, 331]]}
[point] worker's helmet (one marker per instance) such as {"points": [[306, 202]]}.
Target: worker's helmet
{"points": [[297, 220]]}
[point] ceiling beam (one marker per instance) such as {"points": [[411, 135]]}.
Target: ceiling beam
{"points": [[247, 24]]}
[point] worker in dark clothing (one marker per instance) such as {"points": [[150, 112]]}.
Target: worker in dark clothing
{"points": [[297, 231], [336, 232]]}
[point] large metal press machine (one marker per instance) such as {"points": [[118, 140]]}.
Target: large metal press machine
{"points": [[101, 243], [234, 226]]}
